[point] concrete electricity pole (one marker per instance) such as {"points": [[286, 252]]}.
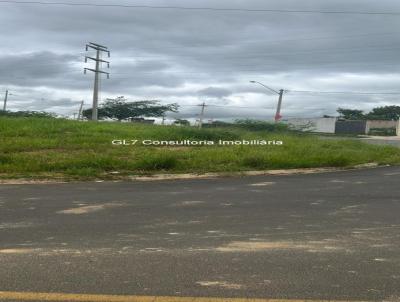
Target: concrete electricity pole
{"points": [[99, 49], [278, 115], [5, 101], [203, 106], [280, 93], [80, 111]]}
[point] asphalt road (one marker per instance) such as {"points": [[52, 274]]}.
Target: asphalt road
{"points": [[319, 236]]}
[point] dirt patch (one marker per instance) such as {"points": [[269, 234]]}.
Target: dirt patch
{"points": [[188, 203], [15, 225], [259, 246], [350, 209], [221, 284], [17, 251], [90, 209], [243, 173], [244, 246], [22, 181], [263, 184]]}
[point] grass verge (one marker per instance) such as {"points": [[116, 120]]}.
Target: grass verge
{"points": [[42, 148]]}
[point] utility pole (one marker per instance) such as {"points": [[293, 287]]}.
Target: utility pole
{"points": [[80, 111], [278, 115], [278, 108], [163, 120], [99, 49], [5, 101], [203, 106]]}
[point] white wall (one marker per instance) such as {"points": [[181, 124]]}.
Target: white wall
{"points": [[382, 124], [322, 125], [398, 128]]}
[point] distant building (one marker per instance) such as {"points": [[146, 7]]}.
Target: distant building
{"points": [[339, 126], [141, 120]]}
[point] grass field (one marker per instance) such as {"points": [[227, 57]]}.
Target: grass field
{"points": [[54, 148]]}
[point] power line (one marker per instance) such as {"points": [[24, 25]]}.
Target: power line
{"points": [[262, 54], [222, 9], [260, 67], [244, 42], [344, 92]]}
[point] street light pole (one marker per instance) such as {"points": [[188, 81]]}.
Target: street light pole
{"points": [[280, 94]]}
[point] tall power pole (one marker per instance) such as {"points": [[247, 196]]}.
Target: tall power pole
{"points": [[80, 111], [278, 115], [99, 50], [5, 101], [203, 106]]}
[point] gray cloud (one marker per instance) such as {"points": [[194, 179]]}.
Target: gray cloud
{"points": [[215, 92], [183, 56]]}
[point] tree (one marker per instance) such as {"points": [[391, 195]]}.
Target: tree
{"points": [[120, 109], [351, 114], [384, 113]]}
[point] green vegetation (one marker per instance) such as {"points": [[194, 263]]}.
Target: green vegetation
{"points": [[120, 109], [390, 113], [26, 114], [56, 148]]}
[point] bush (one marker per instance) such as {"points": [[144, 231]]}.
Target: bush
{"points": [[27, 114], [154, 162], [256, 125], [256, 162]]}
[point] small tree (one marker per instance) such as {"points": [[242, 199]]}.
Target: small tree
{"points": [[120, 109], [351, 114], [384, 113]]}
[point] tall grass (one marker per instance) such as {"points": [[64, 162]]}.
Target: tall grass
{"points": [[43, 148]]}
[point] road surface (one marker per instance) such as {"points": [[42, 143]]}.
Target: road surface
{"points": [[319, 236]]}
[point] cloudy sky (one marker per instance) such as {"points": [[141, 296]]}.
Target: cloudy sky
{"points": [[191, 56]]}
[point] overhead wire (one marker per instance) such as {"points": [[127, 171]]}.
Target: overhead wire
{"points": [[215, 9]]}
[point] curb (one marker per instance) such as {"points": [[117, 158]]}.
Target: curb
{"points": [[160, 177]]}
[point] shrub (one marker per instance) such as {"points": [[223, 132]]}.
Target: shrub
{"points": [[256, 125], [27, 114], [153, 162]]}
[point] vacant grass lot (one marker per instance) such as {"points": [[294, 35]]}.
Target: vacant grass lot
{"points": [[56, 148]]}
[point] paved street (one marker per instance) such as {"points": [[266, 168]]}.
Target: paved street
{"points": [[318, 236]]}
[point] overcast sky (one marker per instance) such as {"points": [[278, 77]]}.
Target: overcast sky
{"points": [[191, 56]]}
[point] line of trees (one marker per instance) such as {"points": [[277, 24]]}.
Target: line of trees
{"points": [[390, 113], [27, 114]]}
